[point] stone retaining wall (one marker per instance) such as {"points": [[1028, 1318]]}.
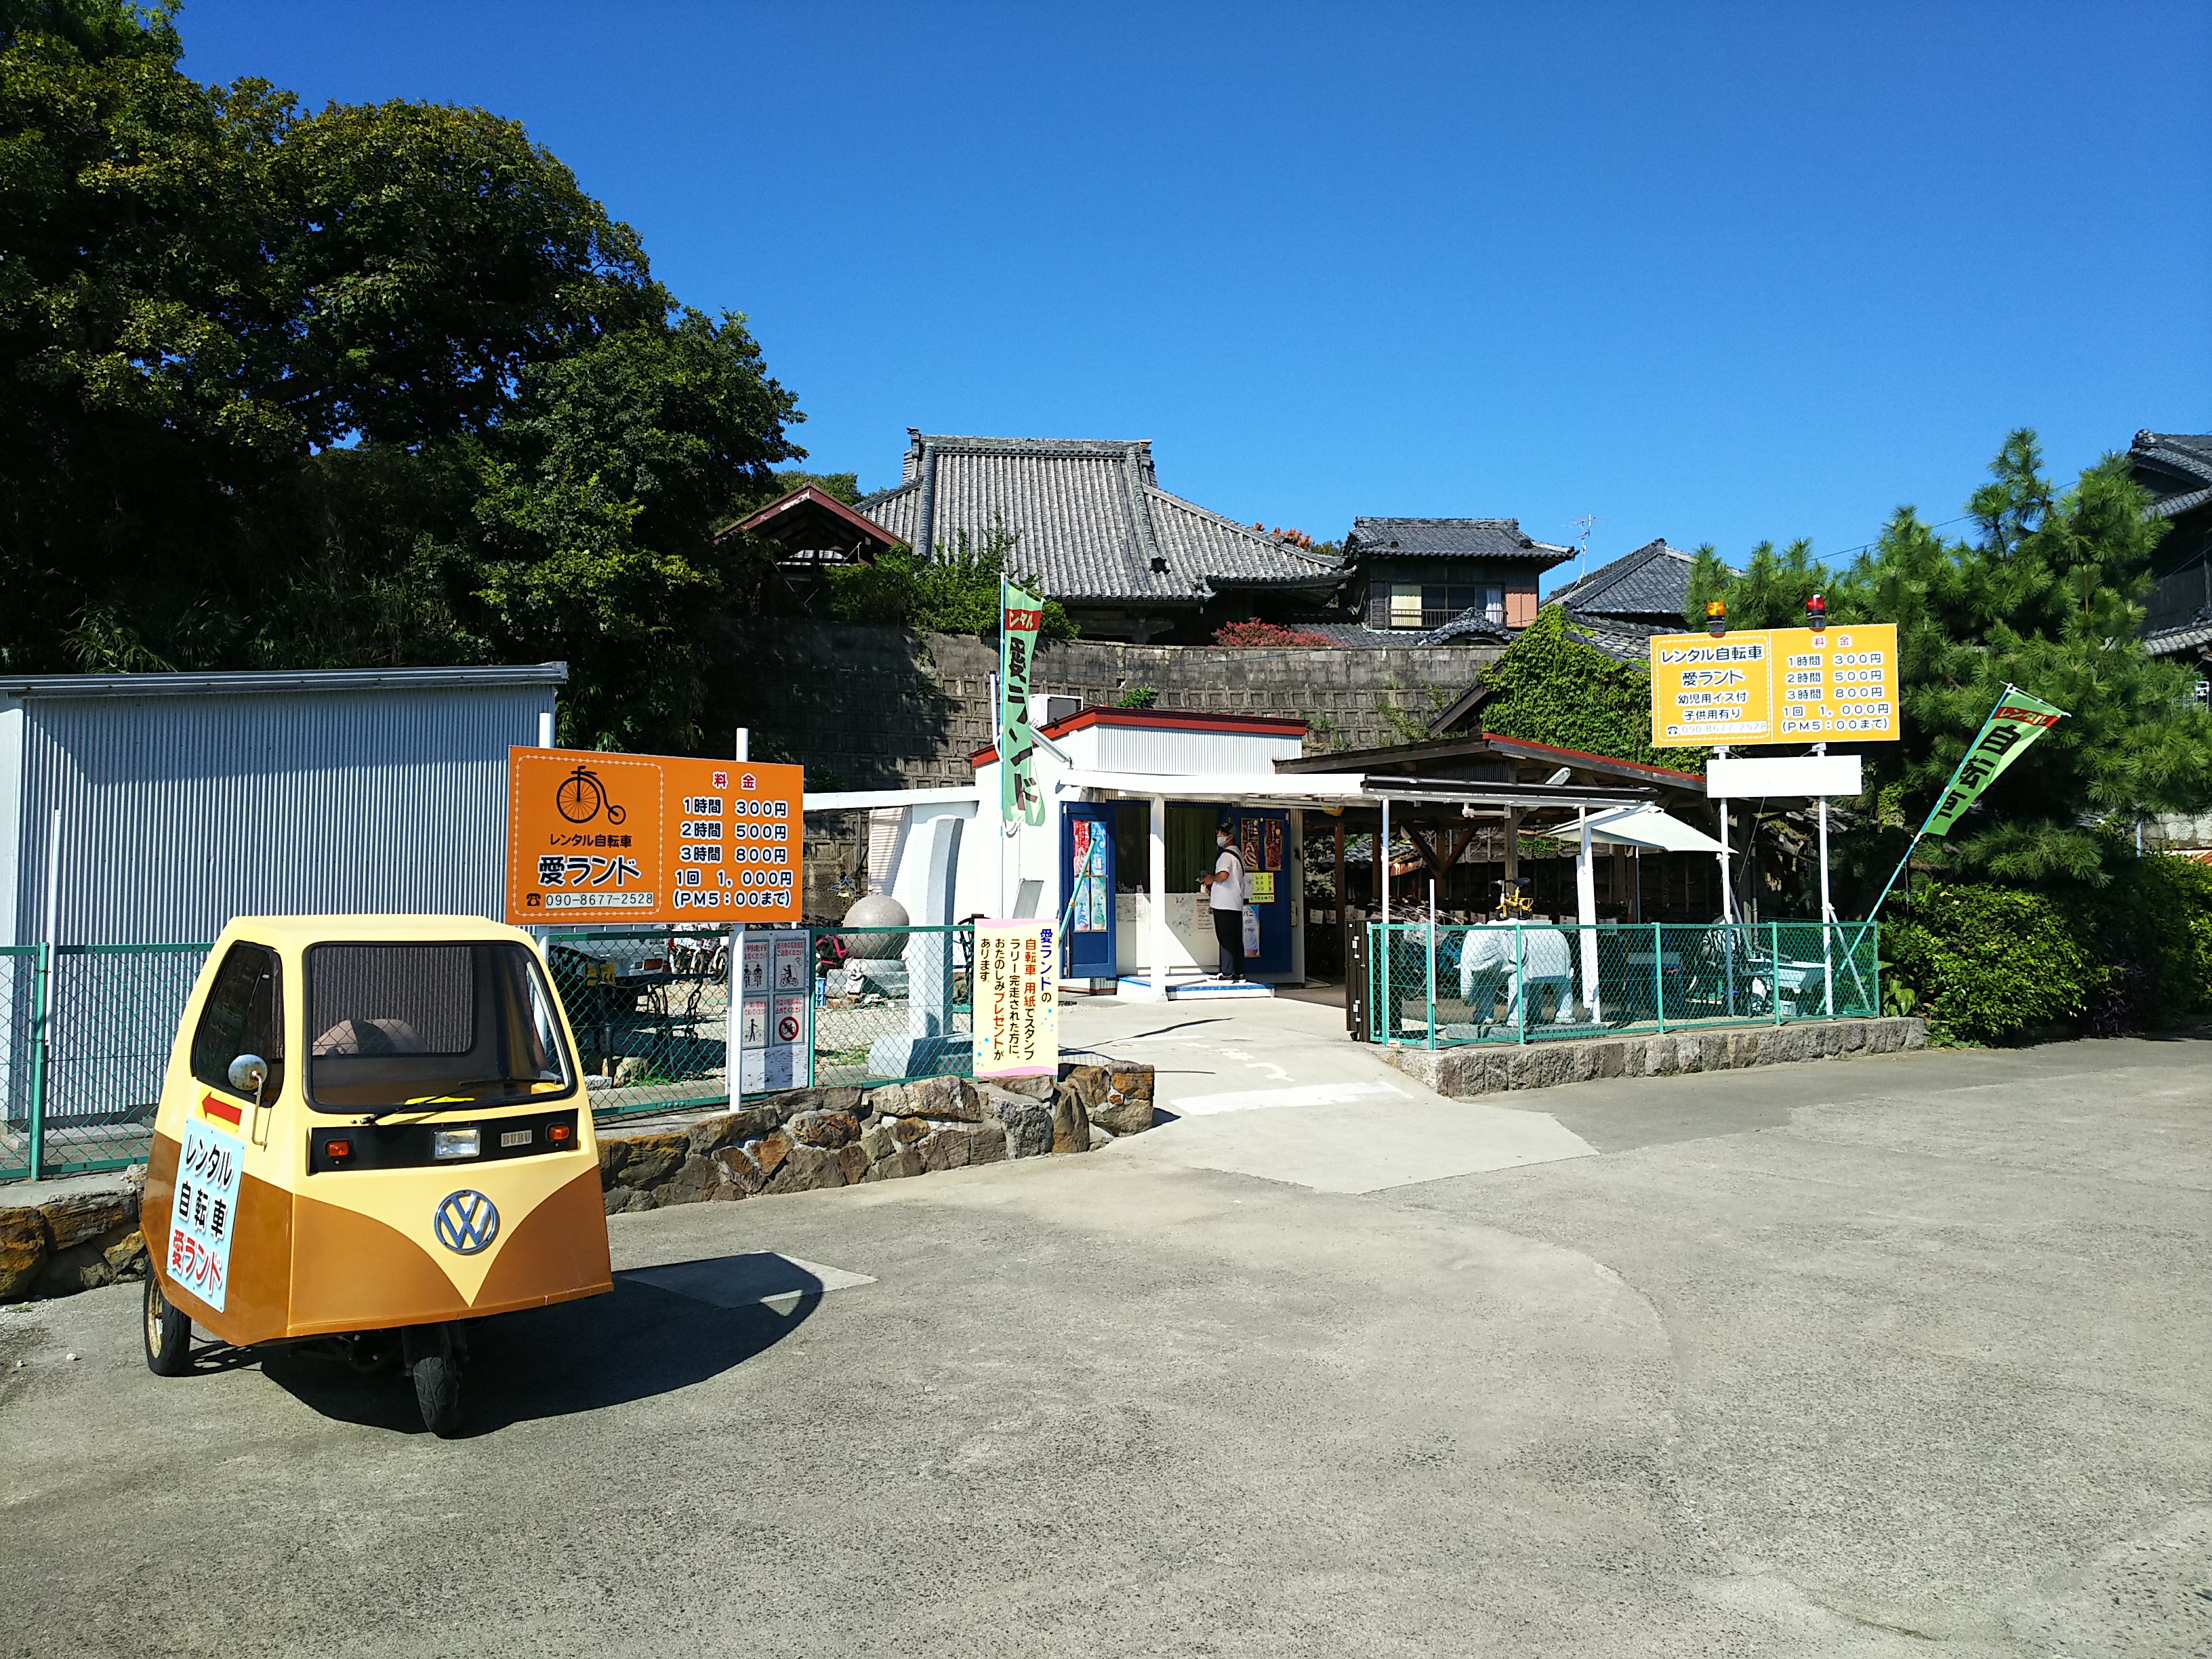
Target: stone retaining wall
{"points": [[75, 1241], [1475, 1070], [809, 1139]]}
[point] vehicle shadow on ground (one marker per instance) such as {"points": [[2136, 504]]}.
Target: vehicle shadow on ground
{"points": [[638, 1341]]}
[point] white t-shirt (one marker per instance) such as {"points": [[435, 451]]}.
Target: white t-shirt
{"points": [[1227, 892]]}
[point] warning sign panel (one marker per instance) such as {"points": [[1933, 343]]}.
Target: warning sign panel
{"points": [[595, 837]]}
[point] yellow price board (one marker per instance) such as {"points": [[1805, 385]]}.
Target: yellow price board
{"points": [[1775, 685]]}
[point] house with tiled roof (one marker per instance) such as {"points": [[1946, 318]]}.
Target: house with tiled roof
{"points": [[1419, 575], [1129, 560], [2176, 468], [1646, 589]]}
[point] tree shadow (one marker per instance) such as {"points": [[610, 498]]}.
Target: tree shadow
{"points": [[638, 1341]]}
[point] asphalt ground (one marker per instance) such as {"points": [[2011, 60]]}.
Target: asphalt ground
{"points": [[1900, 1355]]}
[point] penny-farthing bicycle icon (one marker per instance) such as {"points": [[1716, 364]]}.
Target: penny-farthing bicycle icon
{"points": [[582, 797]]}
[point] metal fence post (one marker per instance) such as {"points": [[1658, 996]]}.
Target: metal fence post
{"points": [[42, 993], [1659, 976], [1388, 1008], [1433, 968], [1520, 986], [1775, 941]]}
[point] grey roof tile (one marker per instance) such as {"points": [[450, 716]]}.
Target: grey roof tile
{"points": [[1449, 538], [1090, 517], [1653, 582], [2176, 467]]}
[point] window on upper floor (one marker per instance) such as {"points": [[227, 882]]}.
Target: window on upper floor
{"points": [[1431, 604]]}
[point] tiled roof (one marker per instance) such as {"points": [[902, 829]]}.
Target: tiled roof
{"points": [[2176, 467], [1652, 583], [1093, 521], [2172, 642], [1449, 538], [1471, 625]]}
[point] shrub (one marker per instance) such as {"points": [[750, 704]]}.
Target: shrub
{"points": [[1256, 632], [1988, 963]]}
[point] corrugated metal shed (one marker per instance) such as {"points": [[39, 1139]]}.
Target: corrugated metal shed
{"points": [[186, 800]]}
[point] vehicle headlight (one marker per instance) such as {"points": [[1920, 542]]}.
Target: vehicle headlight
{"points": [[456, 1143]]}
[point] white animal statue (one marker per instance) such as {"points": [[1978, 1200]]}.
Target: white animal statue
{"points": [[1490, 961]]}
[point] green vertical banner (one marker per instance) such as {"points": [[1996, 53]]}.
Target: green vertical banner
{"points": [[1020, 616], [2017, 722]]}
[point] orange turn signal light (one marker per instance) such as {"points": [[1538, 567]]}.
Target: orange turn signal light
{"points": [[339, 1148], [559, 1134]]}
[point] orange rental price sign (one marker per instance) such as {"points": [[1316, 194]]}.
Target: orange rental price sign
{"points": [[595, 838]]}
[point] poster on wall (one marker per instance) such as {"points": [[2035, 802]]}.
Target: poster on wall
{"points": [[1088, 911], [1017, 1010], [1275, 845], [1252, 844]]}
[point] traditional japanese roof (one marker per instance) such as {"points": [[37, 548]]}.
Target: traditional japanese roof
{"points": [[2190, 637], [1650, 585], [1092, 520], [2175, 467], [1449, 538], [811, 521]]}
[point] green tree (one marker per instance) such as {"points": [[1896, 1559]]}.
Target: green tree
{"points": [[954, 592], [2046, 597], [380, 384]]}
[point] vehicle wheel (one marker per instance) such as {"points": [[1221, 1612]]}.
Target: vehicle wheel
{"points": [[168, 1333], [433, 1364]]}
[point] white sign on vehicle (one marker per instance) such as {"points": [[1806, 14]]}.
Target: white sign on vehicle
{"points": [[205, 1213]]}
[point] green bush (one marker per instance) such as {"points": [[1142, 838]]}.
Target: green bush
{"points": [[1988, 963]]}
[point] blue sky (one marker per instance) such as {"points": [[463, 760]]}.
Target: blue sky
{"points": [[1714, 273]]}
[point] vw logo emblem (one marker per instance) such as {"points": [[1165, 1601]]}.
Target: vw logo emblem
{"points": [[467, 1222]]}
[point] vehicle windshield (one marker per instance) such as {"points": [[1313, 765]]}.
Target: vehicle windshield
{"points": [[431, 1026]]}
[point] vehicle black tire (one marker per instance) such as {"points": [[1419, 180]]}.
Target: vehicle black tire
{"points": [[168, 1333], [434, 1364]]}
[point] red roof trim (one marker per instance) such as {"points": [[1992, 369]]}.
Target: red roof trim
{"points": [[1532, 746], [809, 494], [1164, 720]]}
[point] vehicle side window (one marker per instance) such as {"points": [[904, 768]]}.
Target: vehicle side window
{"points": [[244, 1015]]}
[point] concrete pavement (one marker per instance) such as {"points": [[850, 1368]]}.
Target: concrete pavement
{"points": [[1892, 1356]]}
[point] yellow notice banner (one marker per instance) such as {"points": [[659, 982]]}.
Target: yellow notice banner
{"points": [[1016, 1005], [1777, 685]]}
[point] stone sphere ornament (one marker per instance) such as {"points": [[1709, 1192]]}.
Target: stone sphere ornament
{"points": [[875, 910]]}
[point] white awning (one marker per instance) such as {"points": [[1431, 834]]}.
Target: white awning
{"points": [[1647, 827]]}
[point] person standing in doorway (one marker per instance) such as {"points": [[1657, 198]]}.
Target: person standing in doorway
{"points": [[1226, 895]]}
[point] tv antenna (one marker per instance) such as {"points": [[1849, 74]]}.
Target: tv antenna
{"points": [[1581, 527]]}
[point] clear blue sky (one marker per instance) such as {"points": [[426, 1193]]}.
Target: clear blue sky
{"points": [[1714, 273]]}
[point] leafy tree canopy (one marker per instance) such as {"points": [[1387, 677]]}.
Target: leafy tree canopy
{"points": [[2045, 595], [380, 384], [1552, 686], [954, 592]]}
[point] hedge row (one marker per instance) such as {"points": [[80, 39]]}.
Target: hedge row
{"points": [[1991, 964]]}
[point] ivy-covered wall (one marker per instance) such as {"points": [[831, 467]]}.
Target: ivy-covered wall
{"points": [[1553, 686]]}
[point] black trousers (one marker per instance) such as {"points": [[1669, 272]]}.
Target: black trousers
{"points": [[1229, 929]]}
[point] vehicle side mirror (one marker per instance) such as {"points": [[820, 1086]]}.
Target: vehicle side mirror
{"points": [[248, 1073]]}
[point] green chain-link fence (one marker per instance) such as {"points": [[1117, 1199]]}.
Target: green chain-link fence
{"points": [[651, 1011], [1535, 981], [87, 1043], [86, 1030]]}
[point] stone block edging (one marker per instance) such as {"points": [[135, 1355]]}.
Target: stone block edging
{"points": [[78, 1240], [1495, 1068], [809, 1139]]}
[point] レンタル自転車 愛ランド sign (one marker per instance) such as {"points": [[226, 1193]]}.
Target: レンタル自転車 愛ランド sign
{"points": [[595, 838], [1775, 685]]}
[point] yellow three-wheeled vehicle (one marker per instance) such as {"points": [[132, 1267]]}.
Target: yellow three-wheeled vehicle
{"points": [[372, 1131]]}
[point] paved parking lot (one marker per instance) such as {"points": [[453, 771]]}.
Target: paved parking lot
{"points": [[1892, 1356]]}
